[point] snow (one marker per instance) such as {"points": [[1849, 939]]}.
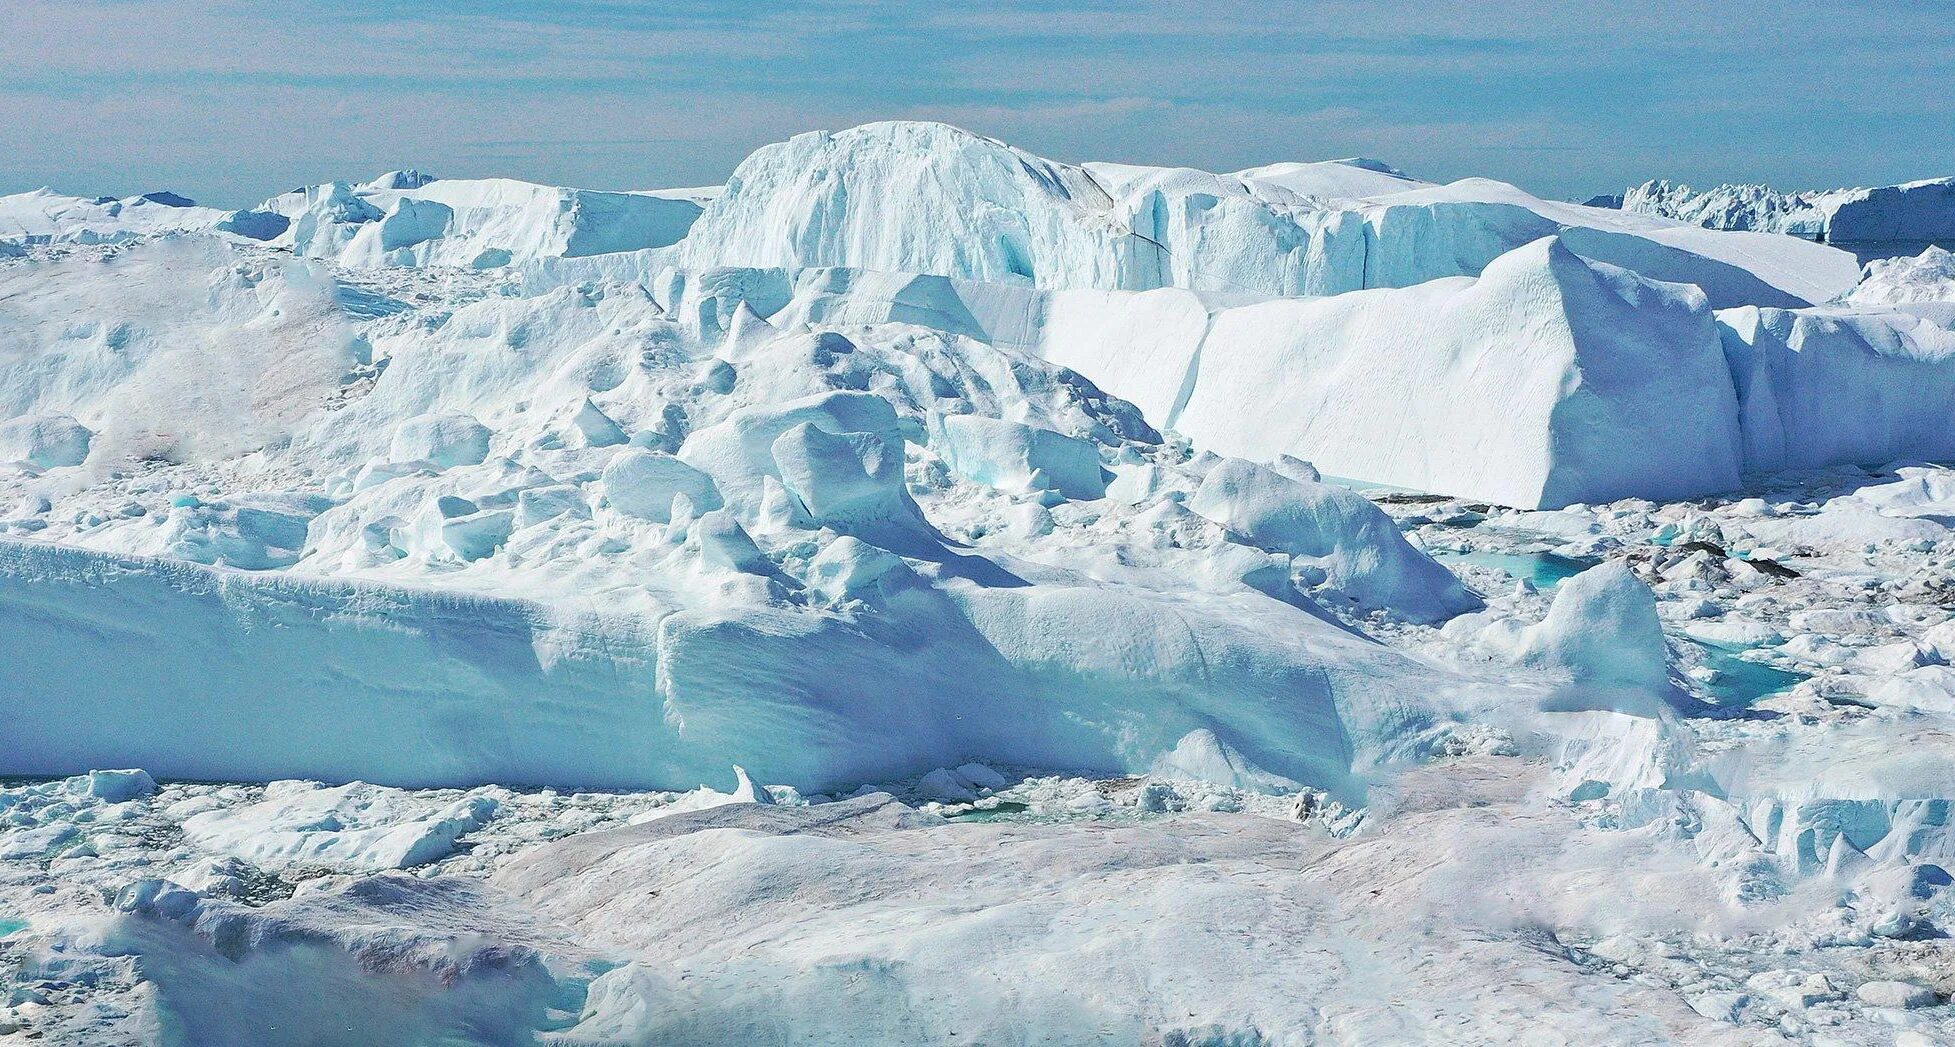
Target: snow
{"points": [[691, 914], [1929, 277], [178, 348]]}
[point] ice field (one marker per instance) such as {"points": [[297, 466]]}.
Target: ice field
{"points": [[921, 591]]}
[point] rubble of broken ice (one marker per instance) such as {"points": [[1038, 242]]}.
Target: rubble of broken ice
{"points": [[985, 509]]}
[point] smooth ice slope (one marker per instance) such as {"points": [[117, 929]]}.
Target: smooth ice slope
{"points": [[1548, 380], [928, 198]]}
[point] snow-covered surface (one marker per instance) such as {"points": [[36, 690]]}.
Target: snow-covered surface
{"points": [[407, 643], [1928, 277], [44, 215]]}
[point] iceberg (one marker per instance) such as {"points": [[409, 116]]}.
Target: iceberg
{"points": [[1926, 278], [469, 223], [856, 553], [1912, 212], [924, 591], [45, 216], [1825, 386], [934, 199]]}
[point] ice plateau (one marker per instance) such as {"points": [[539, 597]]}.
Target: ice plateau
{"points": [[921, 592]]}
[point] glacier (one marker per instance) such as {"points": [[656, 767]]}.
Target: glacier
{"points": [[925, 592]]}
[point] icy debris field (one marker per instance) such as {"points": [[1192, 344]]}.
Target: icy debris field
{"points": [[921, 592]]}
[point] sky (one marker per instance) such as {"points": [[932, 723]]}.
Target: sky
{"points": [[231, 102]]}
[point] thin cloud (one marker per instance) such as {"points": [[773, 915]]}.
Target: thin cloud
{"points": [[234, 100]]}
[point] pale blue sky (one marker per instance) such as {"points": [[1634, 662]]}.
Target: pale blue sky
{"points": [[230, 102]]}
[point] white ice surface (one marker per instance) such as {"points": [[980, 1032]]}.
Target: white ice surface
{"points": [[1187, 742]]}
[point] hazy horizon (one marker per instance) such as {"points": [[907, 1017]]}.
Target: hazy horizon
{"points": [[230, 103]]}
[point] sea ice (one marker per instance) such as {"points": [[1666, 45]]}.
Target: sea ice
{"points": [[1307, 605]]}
